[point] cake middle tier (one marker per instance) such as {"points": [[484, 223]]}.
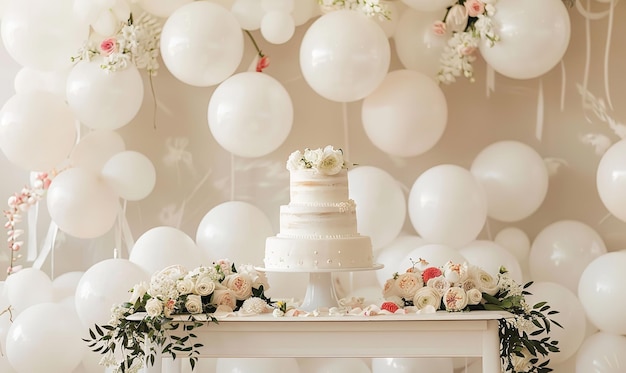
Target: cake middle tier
{"points": [[321, 220]]}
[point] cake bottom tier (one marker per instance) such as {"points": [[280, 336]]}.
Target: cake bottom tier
{"points": [[298, 254]]}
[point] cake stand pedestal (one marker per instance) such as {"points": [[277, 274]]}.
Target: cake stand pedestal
{"points": [[320, 292]]}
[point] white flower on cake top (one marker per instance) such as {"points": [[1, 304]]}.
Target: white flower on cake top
{"points": [[327, 161]]}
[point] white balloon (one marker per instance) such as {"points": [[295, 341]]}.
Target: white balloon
{"points": [[96, 148], [600, 290], [29, 80], [130, 174], [303, 11], [602, 353], [65, 285], [412, 365], [534, 36], [277, 27], [248, 13], [250, 114], [392, 255], [447, 205], [428, 5], [515, 178], [417, 46], [42, 34], [490, 256], [516, 241], [201, 44], [281, 5], [88, 10], [49, 333], [380, 204], [406, 115], [562, 250], [163, 246], [36, 140], [82, 204], [101, 99], [235, 230], [162, 8], [389, 24], [611, 180], [344, 56], [103, 285], [28, 287]]}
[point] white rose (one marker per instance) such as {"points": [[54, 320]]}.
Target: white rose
{"points": [[204, 285], [312, 157], [139, 290], [295, 161], [224, 297], [193, 304], [456, 21], [174, 271], [486, 283], [455, 299], [439, 283], [331, 162], [258, 278], [154, 307], [427, 296], [474, 296], [185, 285], [240, 284]]}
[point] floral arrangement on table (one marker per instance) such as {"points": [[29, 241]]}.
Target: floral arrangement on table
{"points": [[462, 287], [369, 7], [200, 294], [136, 42], [20, 203], [327, 161]]}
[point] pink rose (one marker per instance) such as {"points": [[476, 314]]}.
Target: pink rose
{"points": [[241, 285], [408, 283], [108, 46], [455, 299], [224, 297], [474, 7], [439, 28]]}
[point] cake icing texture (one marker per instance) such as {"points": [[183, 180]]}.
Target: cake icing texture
{"points": [[318, 228]]}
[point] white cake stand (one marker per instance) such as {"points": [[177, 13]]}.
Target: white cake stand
{"points": [[320, 292]]}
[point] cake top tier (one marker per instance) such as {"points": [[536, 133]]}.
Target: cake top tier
{"points": [[327, 161]]}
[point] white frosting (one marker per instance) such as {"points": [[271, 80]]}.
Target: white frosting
{"points": [[318, 229]]}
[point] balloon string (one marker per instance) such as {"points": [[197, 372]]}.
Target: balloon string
{"points": [[592, 16], [346, 148], [491, 80], [587, 59], [540, 106], [232, 177], [607, 52], [563, 85]]}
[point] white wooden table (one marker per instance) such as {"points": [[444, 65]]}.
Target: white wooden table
{"points": [[441, 334]]}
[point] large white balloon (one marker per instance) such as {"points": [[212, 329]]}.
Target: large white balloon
{"points": [[447, 205], [65, 285], [82, 204], [516, 241], [490, 256], [29, 80], [130, 174], [514, 177], [102, 99], [602, 353], [250, 114], [534, 36], [201, 43], [406, 115], [562, 250], [45, 338], [417, 46], [42, 34], [611, 180], [344, 56], [103, 285], [28, 287], [600, 290], [163, 246], [235, 230], [380, 204], [429, 5], [571, 316], [36, 140]]}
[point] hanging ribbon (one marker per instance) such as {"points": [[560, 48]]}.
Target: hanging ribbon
{"points": [[540, 112], [33, 217], [346, 131], [47, 248], [123, 234], [607, 52], [563, 85], [491, 80]]}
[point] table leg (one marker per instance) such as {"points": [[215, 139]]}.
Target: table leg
{"points": [[491, 348]]}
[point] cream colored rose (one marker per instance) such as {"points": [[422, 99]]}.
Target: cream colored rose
{"points": [[185, 285], [474, 296], [331, 161], [154, 307], [224, 297], [456, 21], [193, 304], [241, 285], [439, 283], [427, 296], [486, 283], [313, 157], [390, 289], [295, 161], [408, 283], [455, 299], [139, 290], [174, 271], [204, 285]]}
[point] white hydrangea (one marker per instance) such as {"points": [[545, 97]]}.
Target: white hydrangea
{"points": [[457, 57], [485, 28]]}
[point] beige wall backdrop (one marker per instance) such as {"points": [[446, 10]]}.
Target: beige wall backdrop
{"points": [[202, 178]]}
